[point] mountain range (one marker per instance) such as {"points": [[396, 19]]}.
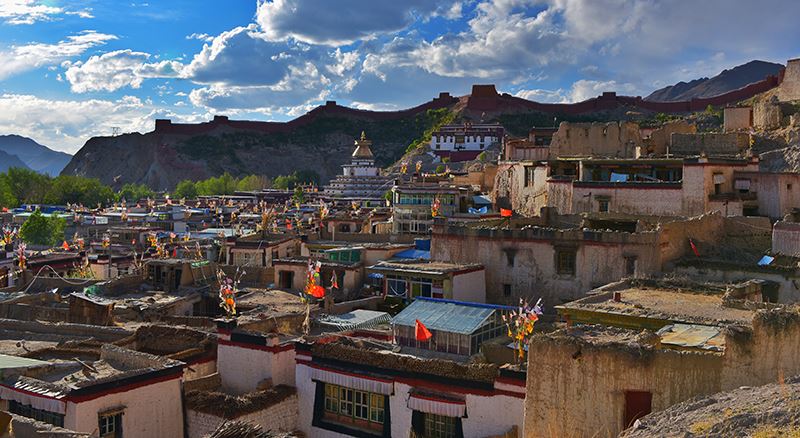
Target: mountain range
{"points": [[727, 80], [31, 155]]}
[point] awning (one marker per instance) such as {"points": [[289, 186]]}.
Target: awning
{"points": [[341, 378], [28, 397], [438, 406]]}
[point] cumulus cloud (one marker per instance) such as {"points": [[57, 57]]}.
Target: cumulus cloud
{"points": [[242, 57], [30, 56], [300, 89], [67, 124], [342, 23], [546, 96], [586, 89], [114, 70]]}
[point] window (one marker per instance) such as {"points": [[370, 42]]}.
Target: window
{"points": [[421, 288], [565, 262], [110, 424], [529, 170], [396, 287], [376, 408], [439, 426], [506, 290], [351, 407], [37, 414], [788, 187]]}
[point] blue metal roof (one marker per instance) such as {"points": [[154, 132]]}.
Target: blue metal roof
{"points": [[413, 254], [446, 315]]}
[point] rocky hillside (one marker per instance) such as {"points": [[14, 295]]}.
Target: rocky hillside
{"points": [[724, 82], [769, 411], [35, 156], [161, 160]]}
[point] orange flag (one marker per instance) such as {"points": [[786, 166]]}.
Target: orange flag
{"points": [[422, 332], [505, 212], [65, 245]]}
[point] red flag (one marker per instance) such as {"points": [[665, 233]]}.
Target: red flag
{"points": [[694, 248], [317, 291], [175, 253], [65, 245], [423, 334], [505, 212]]}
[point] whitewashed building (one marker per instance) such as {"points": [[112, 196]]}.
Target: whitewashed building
{"points": [[466, 141]]}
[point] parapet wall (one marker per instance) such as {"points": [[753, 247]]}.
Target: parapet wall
{"points": [[165, 126]]}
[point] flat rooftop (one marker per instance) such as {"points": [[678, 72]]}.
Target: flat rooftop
{"points": [[691, 305], [59, 377], [428, 267], [269, 300]]}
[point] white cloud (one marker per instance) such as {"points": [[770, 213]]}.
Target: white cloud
{"points": [[242, 57], [18, 12], [34, 55], [201, 36], [547, 96], [114, 70], [340, 23], [585, 89], [67, 124], [300, 89]]}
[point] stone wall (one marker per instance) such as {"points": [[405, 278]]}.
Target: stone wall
{"points": [[660, 139], [737, 118], [767, 114], [615, 139], [786, 238], [732, 143]]}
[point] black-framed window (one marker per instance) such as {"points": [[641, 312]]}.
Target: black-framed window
{"points": [[565, 261], [110, 424], [436, 426]]}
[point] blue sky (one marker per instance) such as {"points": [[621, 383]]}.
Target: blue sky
{"points": [[74, 69]]}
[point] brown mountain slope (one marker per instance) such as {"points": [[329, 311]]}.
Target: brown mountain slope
{"points": [[727, 80]]}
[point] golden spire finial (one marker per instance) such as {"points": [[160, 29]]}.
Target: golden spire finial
{"points": [[363, 136]]}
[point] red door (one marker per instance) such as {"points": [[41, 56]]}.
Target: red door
{"points": [[637, 405]]}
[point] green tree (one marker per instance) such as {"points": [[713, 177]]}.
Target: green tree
{"points": [[131, 193], [224, 184], [7, 199], [42, 230], [27, 186], [440, 168], [284, 182], [252, 182], [186, 189], [78, 190]]}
